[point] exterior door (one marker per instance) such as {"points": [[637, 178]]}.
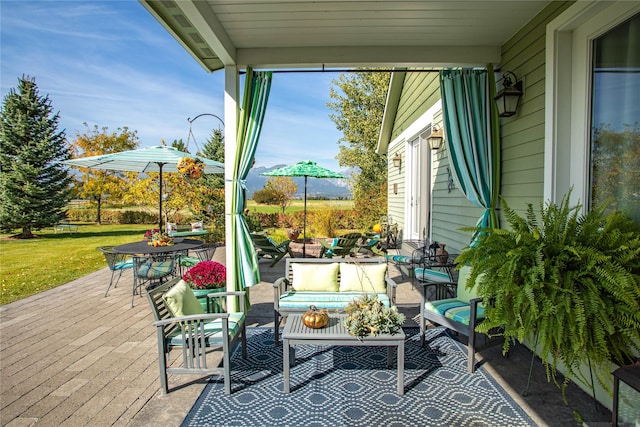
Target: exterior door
{"points": [[418, 199]]}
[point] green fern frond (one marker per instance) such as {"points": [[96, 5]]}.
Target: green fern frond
{"points": [[571, 280]]}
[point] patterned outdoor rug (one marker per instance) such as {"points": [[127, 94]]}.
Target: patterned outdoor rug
{"points": [[352, 386]]}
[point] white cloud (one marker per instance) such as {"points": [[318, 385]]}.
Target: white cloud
{"points": [[109, 63]]}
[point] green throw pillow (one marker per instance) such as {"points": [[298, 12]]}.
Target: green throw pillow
{"points": [[181, 301], [363, 278], [315, 277]]}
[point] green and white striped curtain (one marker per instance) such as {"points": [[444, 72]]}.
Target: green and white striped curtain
{"points": [[254, 104], [473, 137]]}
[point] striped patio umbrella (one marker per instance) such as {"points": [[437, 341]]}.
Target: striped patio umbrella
{"points": [[149, 159], [306, 168]]}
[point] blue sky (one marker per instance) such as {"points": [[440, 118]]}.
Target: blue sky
{"points": [[109, 63]]}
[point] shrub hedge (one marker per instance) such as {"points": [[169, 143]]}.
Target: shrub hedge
{"points": [[112, 216], [323, 222]]}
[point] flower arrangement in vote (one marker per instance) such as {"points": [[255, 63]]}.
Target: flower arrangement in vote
{"points": [[148, 235], [206, 275]]}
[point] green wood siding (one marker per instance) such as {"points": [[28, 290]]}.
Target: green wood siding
{"points": [[395, 202], [450, 211], [523, 134], [419, 92]]}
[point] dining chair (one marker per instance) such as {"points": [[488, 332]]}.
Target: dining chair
{"points": [[116, 262], [194, 256], [151, 271]]}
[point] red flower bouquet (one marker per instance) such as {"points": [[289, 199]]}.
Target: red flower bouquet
{"points": [[148, 235], [206, 275]]}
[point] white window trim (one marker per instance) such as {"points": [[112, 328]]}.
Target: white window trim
{"points": [[567, 87]]}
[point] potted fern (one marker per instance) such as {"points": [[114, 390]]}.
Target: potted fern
{"points": [[566, 282]]}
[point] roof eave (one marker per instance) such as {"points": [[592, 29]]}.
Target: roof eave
{"points": [[390, 109]]}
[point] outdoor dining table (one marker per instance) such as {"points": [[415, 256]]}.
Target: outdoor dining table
{"points": [[143, 247]]}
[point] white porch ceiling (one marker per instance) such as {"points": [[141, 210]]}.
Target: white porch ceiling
{"points": [[271, 34]]}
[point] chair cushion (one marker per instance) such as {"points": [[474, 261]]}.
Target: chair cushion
{"points": [[197, 226], [334, 243], [188, 261], [328, 300], [315, 277], [124, 264], [212, 330], [155, 270], [403, 259], [429, 275], [181, 301], [454, 309], [464, 294], [363, 278]]}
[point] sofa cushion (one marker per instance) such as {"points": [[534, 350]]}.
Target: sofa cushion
{"points": [[330, 300], [315, 277], [363, 278], [181, 301]]}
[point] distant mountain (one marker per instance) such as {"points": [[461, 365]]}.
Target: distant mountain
{"points": [[316, 187]]}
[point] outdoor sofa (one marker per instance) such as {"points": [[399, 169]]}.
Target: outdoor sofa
{"points": [[330, 284]]}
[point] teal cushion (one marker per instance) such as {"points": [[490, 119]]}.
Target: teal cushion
{"points": [[405, 259], [328, 300], [156, 269], [429, 275], [124, 264], [212, 330], [454, 309], [334, 243], [181, 301]]}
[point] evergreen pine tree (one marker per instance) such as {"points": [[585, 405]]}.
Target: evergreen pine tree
{"points": [[34, 186]]}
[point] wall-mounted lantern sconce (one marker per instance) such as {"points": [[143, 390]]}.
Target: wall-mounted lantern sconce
{"points": [[436, 138], [397, 160], [508, 98]]}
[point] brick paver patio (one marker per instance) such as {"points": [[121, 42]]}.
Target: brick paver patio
{"points": [[72, 357]]}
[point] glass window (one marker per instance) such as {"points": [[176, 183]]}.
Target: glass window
{"points": [[615, 119]]}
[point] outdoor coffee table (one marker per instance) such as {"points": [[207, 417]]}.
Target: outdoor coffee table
{"points": [[296, 333]]}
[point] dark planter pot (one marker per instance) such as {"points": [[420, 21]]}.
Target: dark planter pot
{"points": [[201, 294]]}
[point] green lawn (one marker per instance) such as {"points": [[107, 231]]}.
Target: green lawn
{"points": [[298, 205], [35, 265], [31, 266]]}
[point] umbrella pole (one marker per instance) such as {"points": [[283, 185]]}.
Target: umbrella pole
{"points": [[304, 229], [160, 215]]}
